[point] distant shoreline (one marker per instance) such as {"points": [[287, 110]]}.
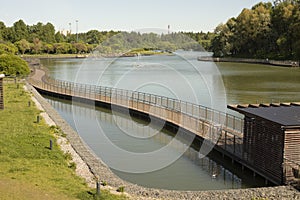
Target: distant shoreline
{"points": [[283, 63], [43, 56], [80, 56]]}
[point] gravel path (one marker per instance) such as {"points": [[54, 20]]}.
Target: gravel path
{"points": [[89, 166]]}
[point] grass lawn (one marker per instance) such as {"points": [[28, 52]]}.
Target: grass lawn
{"points": [[28, 168]]}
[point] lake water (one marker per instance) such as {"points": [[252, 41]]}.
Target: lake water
{"points": [[180, 76]]}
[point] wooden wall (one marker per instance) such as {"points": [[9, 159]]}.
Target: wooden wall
{"points": [[292, 155], [263, 147]]}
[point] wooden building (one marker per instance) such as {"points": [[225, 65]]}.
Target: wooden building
{"points": [[271, 141]]}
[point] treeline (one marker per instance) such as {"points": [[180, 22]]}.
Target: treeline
{"points": [[42, 38], [268, 30]]}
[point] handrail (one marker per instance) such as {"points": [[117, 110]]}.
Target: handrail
{"points": [[220, 128], [197, 111]]}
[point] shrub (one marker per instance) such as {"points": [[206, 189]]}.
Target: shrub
{"points": [[121, 189], [104, 183], [13, 65]]}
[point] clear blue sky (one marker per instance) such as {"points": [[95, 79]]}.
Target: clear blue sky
{"points": [[188, 15]]}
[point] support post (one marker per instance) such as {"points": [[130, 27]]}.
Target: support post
{"points": [[98, 187], [38, 119], [51, 144], [234, 144]]}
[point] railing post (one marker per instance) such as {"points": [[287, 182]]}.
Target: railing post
{"points": [[66, 88], [105, 93], [225, 140], [226, 121], [234, 144], [144, 100], [242, 126], [167, 106], [192, 109], [233, 126], [186, 107], [173, 105]]}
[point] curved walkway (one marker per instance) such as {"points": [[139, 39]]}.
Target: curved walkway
{"points": [[102, 171]]}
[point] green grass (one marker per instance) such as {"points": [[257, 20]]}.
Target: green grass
{"points": [[28, 168]]}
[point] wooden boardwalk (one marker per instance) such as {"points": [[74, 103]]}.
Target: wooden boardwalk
{"points": [[221, 130]]}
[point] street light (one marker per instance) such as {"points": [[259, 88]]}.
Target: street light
{"points": [[70, 28], [77, 31]]}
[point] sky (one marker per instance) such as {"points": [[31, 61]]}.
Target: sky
{"points": [[124, 15]]}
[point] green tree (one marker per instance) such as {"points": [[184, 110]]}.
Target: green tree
{"points": [[48, 48], [63, 48], [13, 65], [221, 44], [59, 37], [2, 30], [23, 46], [48, 33], [36, 46], [8, 48], [282, 21], [19, 31], [45, 33], [92, 37], [80, 47]]}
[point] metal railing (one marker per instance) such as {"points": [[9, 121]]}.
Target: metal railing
{"points": [[223, 129]]}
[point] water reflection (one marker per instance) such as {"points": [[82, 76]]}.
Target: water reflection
{"points": [[189, 172], [253, 83]]}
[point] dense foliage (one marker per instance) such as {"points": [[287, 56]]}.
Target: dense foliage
{"points": [[265, 31], [42, 38], [13, 65]]}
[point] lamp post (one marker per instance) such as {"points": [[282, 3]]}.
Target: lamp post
{"points": [[77, 31], [70, 24]]}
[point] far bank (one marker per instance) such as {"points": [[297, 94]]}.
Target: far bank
{"points": [[283, 63]]}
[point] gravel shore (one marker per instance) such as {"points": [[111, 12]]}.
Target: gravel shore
{"points": [[90, 166]]}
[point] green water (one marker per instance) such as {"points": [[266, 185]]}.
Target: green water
{"points": [[232, 83], [252, 83]]}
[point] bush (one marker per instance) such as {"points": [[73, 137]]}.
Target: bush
{"points": [[121, 189], [104, 183], [12, 65], [8, 48]]}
